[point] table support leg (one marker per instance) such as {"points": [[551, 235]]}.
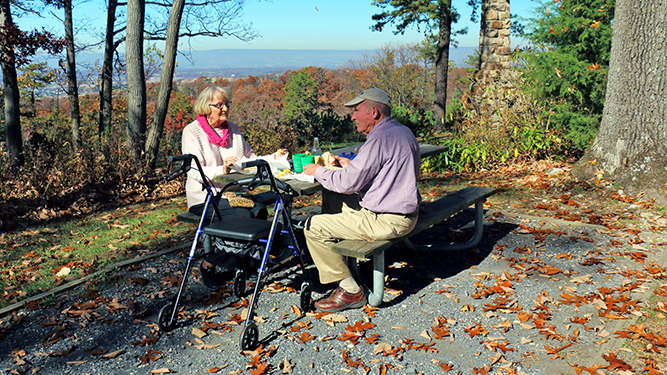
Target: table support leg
{"points": [[376, 295], [479, 229]]}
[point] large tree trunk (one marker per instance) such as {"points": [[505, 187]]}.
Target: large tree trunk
{"points": [[11, 90], [631, 145], [442, 65], [164, 91], [73, 87], [106, 82], [136, 81]]}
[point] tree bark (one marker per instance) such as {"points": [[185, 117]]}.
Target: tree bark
{"points": [[72, 86], [11, 91], [106, 81], [164, 90], [631, 145], [442, 64], [136, 81]]}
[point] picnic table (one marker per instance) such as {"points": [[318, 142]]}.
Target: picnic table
{"points": [[310, 188]]}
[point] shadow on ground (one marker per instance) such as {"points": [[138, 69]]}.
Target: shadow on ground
{"points": [[410, 271]]}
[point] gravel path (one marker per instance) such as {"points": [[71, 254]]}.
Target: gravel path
{"points": [[530, 299]]}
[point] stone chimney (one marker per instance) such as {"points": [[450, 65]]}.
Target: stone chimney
{"points": [[494, 80], [494, 42]]}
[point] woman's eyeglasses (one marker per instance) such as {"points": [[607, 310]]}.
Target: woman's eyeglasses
{"points": [[220, 105]]}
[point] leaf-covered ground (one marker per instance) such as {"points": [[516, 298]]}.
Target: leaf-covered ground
{"points": [[567, 280]]}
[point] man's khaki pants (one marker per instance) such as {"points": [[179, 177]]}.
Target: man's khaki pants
{"points": [[352, 223]]}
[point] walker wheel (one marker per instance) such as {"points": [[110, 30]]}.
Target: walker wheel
{"points": [[239, 284], [249, 336], [164, 317], [306, 297]]}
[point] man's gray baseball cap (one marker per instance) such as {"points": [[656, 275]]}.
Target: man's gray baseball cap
{"points": [[373, 94]]}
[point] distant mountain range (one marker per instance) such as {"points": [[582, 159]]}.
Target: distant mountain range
{"points": [[245, 62]]}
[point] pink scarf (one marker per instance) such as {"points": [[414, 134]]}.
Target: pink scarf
{"points": [[213, 136]]}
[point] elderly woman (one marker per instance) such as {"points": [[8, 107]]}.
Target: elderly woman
{"points": [[219, 146]]}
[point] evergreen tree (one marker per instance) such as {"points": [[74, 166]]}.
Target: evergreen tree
{"points": [[568, 62]]}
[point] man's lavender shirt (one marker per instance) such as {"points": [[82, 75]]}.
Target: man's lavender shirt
{"points": [[384, 172]]}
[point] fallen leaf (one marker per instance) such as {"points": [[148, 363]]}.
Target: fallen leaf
{"points": [[113, 354], [64, 272], [260, 370], [382, 348], [163, 370], [425, 335], [506, 325], [335, 318], [198, 332], [581, 279], [216, 369], [296, 310], [285, 366]]}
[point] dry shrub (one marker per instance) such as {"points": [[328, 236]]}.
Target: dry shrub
{"points": [[55, 182], [497, 126]]}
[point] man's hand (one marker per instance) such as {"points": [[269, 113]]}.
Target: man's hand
{"points": [[341, 161], [309, 169]]}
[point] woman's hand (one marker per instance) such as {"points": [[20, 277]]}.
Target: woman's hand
{"points": [[228, 163], [280, 153]]}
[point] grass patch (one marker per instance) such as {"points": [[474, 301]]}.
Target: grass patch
{"points": [[37, 259]]}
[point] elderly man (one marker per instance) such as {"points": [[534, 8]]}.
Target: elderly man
{"points": [[374, 197]]}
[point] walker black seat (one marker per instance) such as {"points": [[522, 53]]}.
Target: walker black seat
{"points": [[240, 228], [194, 213]]}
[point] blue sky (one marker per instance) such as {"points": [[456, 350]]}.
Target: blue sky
{"points": [[303, 24]]}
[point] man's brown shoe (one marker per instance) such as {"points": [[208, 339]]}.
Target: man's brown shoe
{"points": [[340, 300]]}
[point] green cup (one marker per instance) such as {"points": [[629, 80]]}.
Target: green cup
{"points": [[307, 159], [296, 162]]}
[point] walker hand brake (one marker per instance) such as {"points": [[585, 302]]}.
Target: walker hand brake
{"points": [[186, 162], [183, 168]]}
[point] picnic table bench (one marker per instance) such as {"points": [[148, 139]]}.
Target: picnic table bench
{"points": [[430, 213]]}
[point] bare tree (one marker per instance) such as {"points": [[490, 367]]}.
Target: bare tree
{"points": [[16, 48], [136, 81], [631, 145], [164, 90], [106, 79], [70, 68], [11, 90]]}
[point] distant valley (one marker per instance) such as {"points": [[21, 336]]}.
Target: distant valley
{"points": [[241, 63], [246, 62]]}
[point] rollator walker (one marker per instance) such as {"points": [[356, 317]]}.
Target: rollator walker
{"points": [[275, 237]]}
